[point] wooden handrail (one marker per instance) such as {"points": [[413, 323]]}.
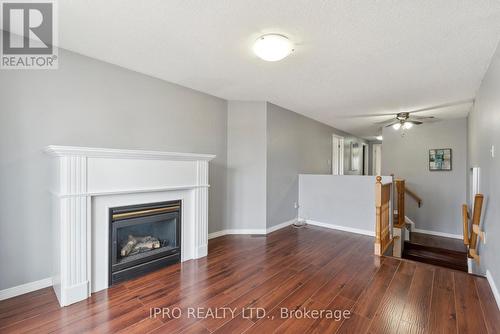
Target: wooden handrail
{"points": [[471, 235], [476, 218], [414, 196]]}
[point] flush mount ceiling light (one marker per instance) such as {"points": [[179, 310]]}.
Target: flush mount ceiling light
{"points": [[272, 47]]}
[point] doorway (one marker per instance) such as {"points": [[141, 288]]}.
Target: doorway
{"points": [[365, 158], [377, 159], [337, 155], [474, 183]]}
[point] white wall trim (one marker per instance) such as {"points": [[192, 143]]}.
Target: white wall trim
{"points": [[251, 231], [494, 289], [216, 234], [439, 234], [280, 226], [96, 152], [235, 231], [470, 265], [25, 288], [341, 228], [131, 191], [411, 222]]}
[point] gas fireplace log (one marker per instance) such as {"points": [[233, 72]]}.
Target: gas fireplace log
{"points": [[129, 246], [139, 244]]}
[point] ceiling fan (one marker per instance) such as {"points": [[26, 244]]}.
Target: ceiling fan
{"points": [[406, 121]]}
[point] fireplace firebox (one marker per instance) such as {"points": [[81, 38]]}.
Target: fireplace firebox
{"points": [[143, 238]]}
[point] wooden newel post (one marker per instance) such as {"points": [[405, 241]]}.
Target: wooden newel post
{"points": [[378, 215]]}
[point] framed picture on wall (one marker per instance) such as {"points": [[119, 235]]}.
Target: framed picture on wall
{"points": [[440, 159]]}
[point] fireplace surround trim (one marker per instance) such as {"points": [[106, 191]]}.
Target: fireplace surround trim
{"points": [[80, 174]]}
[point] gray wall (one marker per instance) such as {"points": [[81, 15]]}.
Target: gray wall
{"points": [[89, 103], [343, 202], [246, 165], [296, 145], [484, 131], [442, 193]]}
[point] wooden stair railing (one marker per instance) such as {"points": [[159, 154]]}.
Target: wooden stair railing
{"points": [[414, 196], [472, 232], [383, 238], [401, 191]]}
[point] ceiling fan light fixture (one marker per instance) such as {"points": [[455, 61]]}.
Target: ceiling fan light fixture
{"points": [[272, 47], [396, 126], [407, 125]]}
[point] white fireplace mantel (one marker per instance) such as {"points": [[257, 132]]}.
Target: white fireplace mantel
{"points": [[86, 181]]}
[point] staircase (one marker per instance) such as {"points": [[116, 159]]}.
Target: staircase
{"points": [[440, 251], [435, 250]]}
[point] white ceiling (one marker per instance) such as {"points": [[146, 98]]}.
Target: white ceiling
{"points": [[351, 57]]}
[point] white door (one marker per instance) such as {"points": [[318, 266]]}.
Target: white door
{"points": [[475, 182], [338, 155], [377, 159]]}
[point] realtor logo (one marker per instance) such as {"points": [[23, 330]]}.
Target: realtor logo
{"points": [[28, 35]]}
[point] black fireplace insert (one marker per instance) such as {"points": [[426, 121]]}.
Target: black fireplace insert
{"points": [[143, 238]]}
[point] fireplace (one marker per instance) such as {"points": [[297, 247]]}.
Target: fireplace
{"points": [[143, 238]]}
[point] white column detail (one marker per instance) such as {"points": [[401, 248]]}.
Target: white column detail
{"points": [[74, 229], [201, 210]]}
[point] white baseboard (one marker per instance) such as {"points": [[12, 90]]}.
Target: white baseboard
{"points": [[411, 222], [439, 234], [216, 234], [280, 226], [250, 231], [494, 289], [470, 263], [341, 228], [236, 231], [25, 288]]}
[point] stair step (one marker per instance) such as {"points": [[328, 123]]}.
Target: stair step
{"points": [[437, 256]]}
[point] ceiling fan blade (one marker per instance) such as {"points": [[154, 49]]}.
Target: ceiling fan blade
{"points": [[439, 106], [424, 120], [413, 122], [444, 105], [389, 125], [420, 118], [431, 120], [368, 115], [392, 120]]}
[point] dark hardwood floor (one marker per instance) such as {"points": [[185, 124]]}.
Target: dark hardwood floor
{"points": [[440, 251], [311, 268], [436, 241]]}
